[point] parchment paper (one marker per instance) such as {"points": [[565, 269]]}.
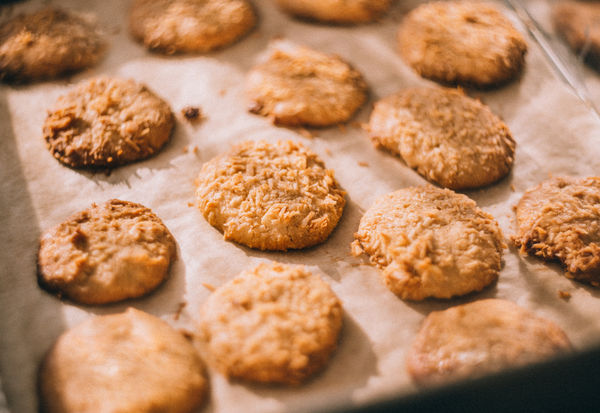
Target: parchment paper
{"points": [[555, 134]]}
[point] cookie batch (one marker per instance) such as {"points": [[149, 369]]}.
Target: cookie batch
{"points": [[107, 122], [49, 44], [278, 323], [446, 136], [270, 197], [431, 242]]}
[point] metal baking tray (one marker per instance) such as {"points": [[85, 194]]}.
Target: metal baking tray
{"points": [[551, 111]]}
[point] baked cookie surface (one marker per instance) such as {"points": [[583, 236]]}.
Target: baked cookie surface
{"points": [[336, 11], [107, 122], [579, 24], [107, 253], [445, 135], [48, 44], [273, 324], [131, 362], [299, 86], [483, 337], [558, 220], [188, 26], [430, 242], [270, 196], [468, 43]]}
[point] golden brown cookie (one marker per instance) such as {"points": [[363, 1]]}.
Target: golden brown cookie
{"points": [[107, 253], [579, 24], [48, 44], [470, 43], [559, 220], [299, 86], [445, 135], [107, 122], [272, 324], [430, 242], [336, 11], [270, 196], [188, 26], [483, 337], [131, 362]]}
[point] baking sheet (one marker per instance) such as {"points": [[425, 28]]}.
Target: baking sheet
{"points": [[569, 65], [554, 131]]}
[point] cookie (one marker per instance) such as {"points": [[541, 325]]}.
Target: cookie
{"points": [[270, 196], [49, 44], [297, 86], [430, 242], [446, 136], [336, 11], [107, 122], [468, 43], [131, 362], [275, 324], [107, 253], [190, 26], [483, 337], [558, 220], [579, 24]]}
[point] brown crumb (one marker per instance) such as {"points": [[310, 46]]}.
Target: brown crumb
{"points": [[328, 151], [195, 149], [222, 92], [342, 127], [564, 295], [304, 132], [210, 287], [512, 187], [180, 308], [187, 334], [190, 204], [362, 163], [192, 113], [185, 149]]}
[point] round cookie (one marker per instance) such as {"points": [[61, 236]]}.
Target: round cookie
{"points": [[107, 122], [483, 337], [336, 11], [430, 242], [446, 136], [469, 43], [579, 24], [48, 44], [107, 253], [559, 220], [190, 26], [270, 196], [298, 86], [131, 362], [273, 324]]}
